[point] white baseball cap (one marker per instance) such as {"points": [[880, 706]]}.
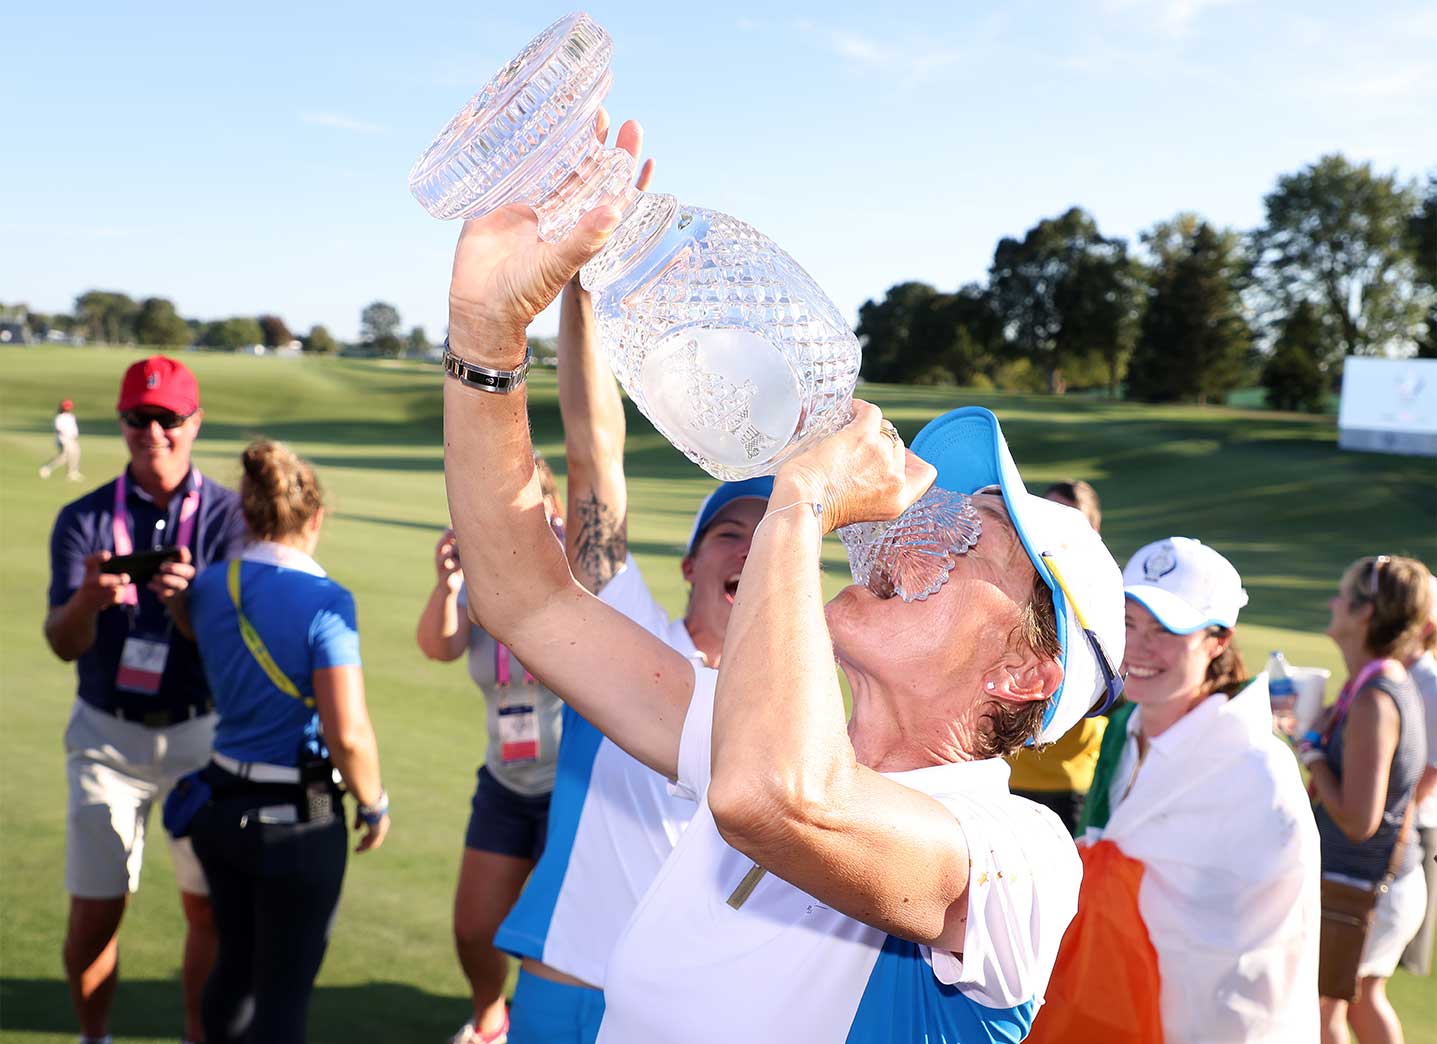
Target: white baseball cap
{"points": [[1186, 584], [967, 448]]}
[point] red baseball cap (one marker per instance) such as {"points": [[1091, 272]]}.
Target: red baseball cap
{"points": [[66, 404], [161, 382]]}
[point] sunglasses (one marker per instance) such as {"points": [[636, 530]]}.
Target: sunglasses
{"points": [[1375, 577], [167, 419], [1112, 680]]}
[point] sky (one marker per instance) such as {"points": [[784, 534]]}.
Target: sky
{"points": [[249, 159]]}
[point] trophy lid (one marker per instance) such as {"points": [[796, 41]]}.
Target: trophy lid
{"points": [[521, 136]]}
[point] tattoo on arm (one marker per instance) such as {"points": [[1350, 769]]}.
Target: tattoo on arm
{"points": [[601, 542]]}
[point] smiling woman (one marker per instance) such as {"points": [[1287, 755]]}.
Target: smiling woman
{"points": [[1212, 901]]}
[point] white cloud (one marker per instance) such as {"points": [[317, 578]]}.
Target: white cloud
{"points": [[908, 60], [1173, 17], [862, 49], [338, 121]]}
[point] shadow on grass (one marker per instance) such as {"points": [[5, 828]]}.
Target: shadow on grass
{"points": [[149, 1009]]}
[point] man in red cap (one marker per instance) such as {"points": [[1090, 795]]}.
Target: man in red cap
{"points": [[143, 717], [67, 444]]}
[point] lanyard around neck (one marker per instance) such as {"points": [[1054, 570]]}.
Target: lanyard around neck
{"points": [[501, 666], [1349, 693], [120, 522]]}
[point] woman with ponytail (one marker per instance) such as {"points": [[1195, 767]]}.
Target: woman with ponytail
{"points": [[281, 650], [1365, 760], [1198, 915]]}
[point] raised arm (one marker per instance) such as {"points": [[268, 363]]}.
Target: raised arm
{"points": [[787, 789], [597, 535], [630, 685], [443, 632]]}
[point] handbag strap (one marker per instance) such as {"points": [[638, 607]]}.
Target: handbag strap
{"points": [[1402, 832], [256, 645]]}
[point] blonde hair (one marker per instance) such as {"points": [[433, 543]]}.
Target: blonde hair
{"points": [[279, 493], [1400, 592]]}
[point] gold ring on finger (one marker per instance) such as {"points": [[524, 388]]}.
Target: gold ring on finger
{"points": [[888, 429]]}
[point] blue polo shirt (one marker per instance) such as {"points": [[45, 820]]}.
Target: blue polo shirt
{"points": [[86, 526], [306, 622]]}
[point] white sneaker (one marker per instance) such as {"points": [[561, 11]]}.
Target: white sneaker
{"points": [[469, 1035]]}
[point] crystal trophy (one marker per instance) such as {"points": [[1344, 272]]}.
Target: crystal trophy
{"points": [[718, 336], [912, 555]]}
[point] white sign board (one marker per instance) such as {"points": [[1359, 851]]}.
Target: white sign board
{"points": [[1389, 406]]}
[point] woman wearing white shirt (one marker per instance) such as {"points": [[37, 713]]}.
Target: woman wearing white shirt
{"points": [[1200, 852], [870, 879]]}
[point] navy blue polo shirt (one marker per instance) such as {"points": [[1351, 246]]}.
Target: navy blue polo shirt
{"points": [[86, 526]]}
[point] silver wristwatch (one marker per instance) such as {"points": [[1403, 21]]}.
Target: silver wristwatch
{"points": [[472, 375]]}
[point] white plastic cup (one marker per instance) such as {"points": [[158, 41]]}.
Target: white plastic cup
{"points": [[1310, 686]]}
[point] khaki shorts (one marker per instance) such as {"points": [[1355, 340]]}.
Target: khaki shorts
{"points": [[117, 770]]}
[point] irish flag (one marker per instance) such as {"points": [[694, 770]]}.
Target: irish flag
{"points": [[1199, 911]]}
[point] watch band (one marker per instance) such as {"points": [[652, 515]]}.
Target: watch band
{"points": [[472, 375], [372, 814]]}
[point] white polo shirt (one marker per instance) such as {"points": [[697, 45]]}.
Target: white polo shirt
{"points": [[612, 823], [784, 967]]}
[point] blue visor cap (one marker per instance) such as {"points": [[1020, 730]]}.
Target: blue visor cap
{"points": [[967, 448], [760, 488]]}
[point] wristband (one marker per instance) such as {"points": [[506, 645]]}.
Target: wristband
{"points": [[372, 814]]}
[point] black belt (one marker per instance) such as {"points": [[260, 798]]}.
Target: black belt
{"points": [[160, 719]]}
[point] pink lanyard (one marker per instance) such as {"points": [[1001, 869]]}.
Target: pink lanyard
{"points": [[125, 544], [501, 666], [1349, 693]]}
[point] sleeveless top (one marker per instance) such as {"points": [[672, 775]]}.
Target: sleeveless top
{"points": [[1367, 860]]}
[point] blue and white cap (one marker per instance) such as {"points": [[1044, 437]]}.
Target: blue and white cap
{"points": [[760, 488], [967, 448], [1185, 584]]}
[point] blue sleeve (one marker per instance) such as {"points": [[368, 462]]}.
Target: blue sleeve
{"points": [[334, 633], [69, 547]]}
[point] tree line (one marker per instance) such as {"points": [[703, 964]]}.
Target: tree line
{"points": [[110, 317], [1345, 263]]}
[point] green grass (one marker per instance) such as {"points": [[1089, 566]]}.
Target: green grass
{"points": [[1272, 491]]}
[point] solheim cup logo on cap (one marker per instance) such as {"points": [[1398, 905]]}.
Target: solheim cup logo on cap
{"points": [[152, 380], [1159, 564]]}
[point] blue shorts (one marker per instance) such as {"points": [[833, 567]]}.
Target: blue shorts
{"points": [[504, 822], [545, 1012]]}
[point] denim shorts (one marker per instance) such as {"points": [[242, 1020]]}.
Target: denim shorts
{"points": [[504, 822]]}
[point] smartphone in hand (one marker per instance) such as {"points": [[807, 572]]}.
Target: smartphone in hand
{"points": [[142, 565]]}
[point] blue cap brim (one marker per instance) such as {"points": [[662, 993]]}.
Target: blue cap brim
{"points": [[967, 448], [760, 488]]}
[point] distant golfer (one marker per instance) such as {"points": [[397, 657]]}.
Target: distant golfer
{"points": [[144, 716], [67, 444]]}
